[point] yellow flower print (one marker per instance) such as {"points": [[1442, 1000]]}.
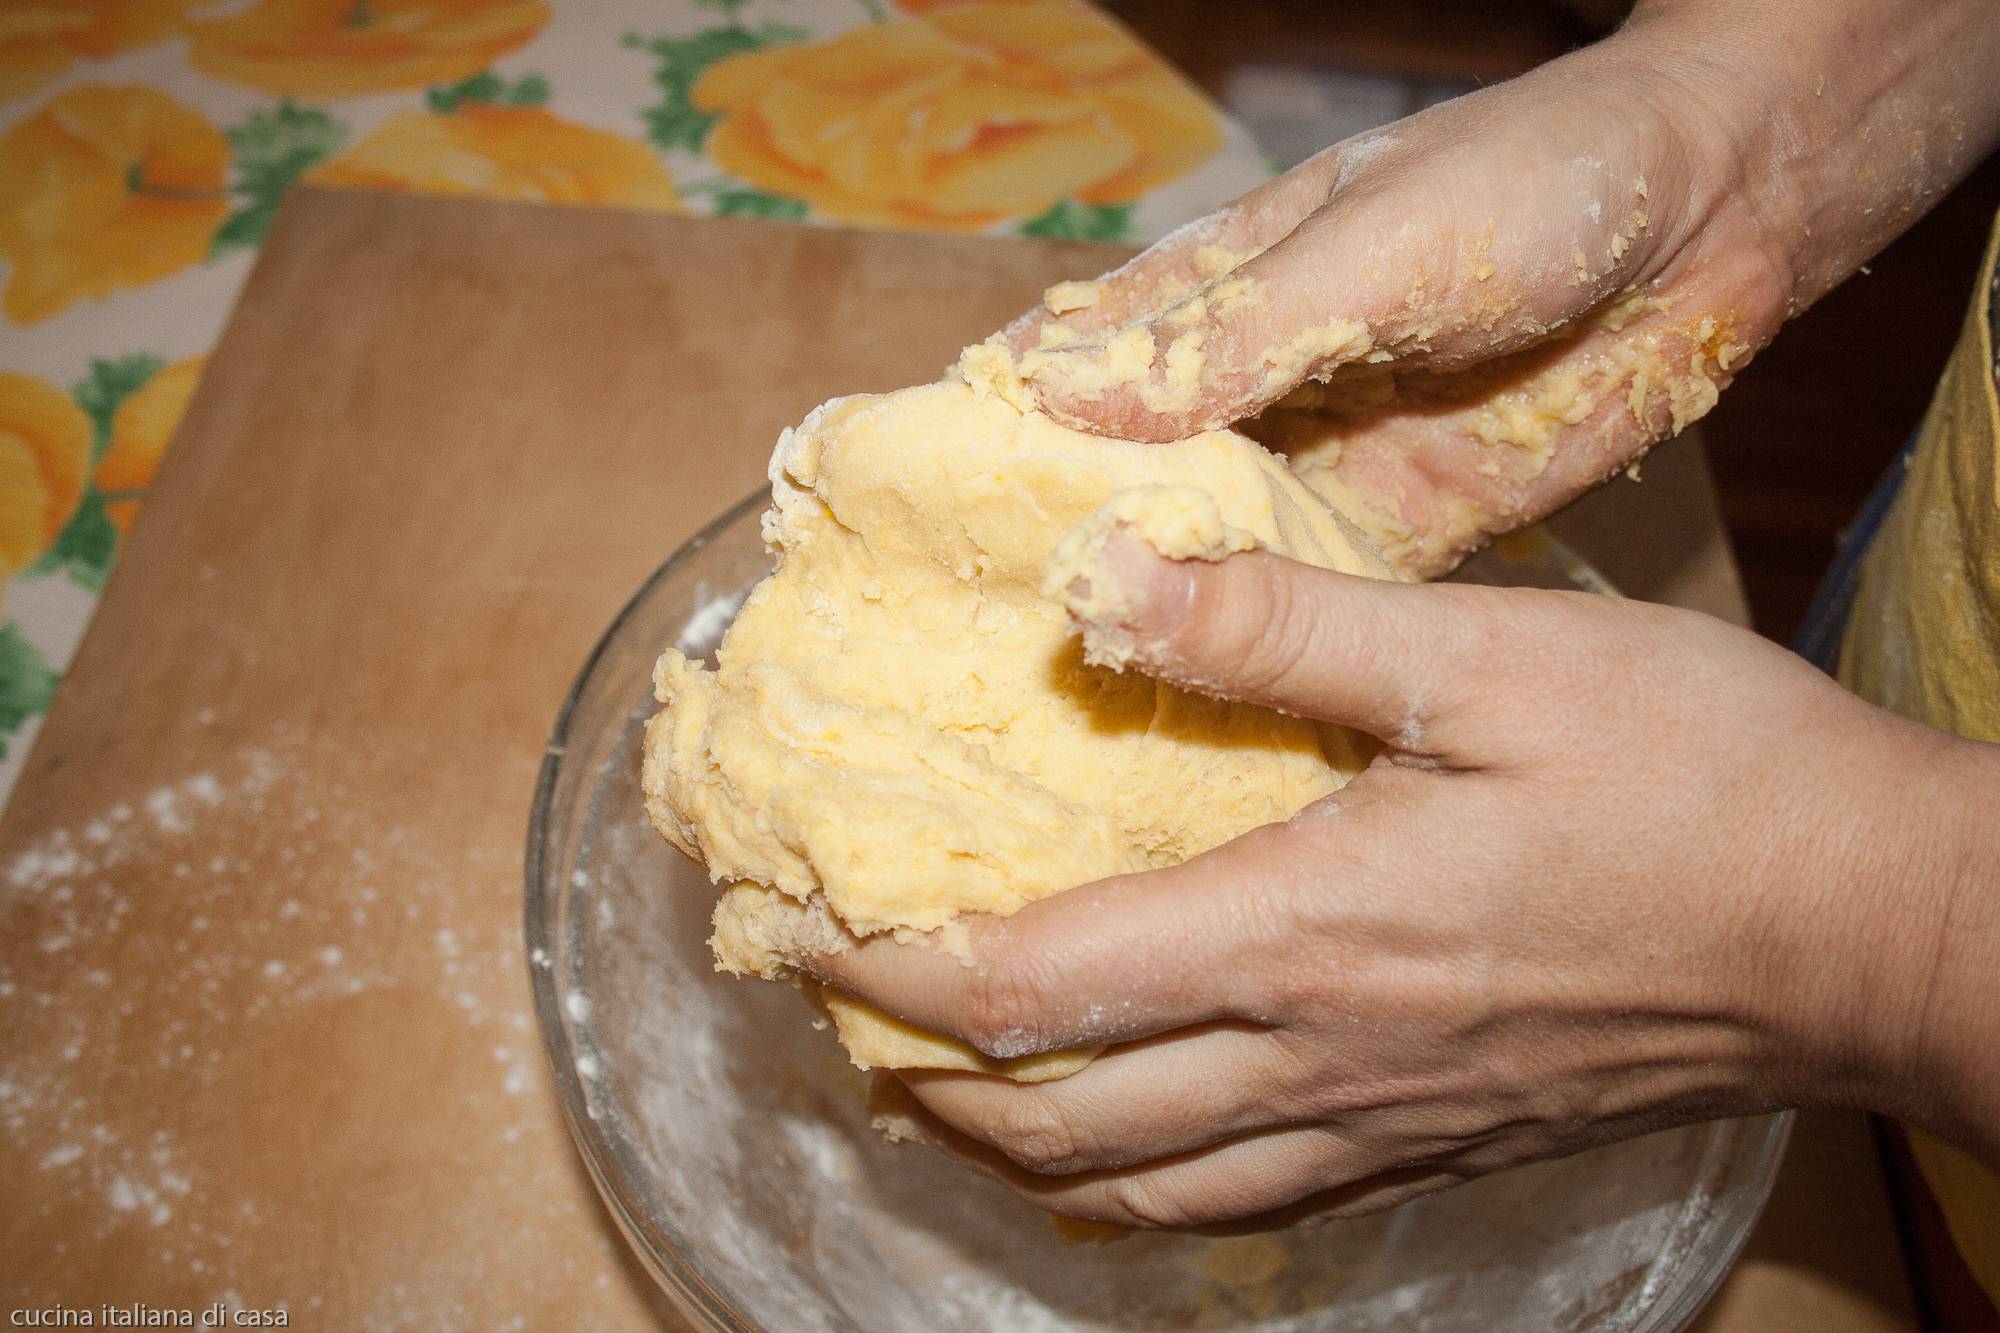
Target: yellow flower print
{"points": [[40, 39], [348, 48], [105, 187], [140, 430], [504, 152], [959, 118], [44, 451]]}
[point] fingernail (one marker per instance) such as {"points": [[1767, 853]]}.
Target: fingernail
{"points": [[1124, 596], [1157, 590]]}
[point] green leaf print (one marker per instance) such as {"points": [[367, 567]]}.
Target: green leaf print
{"points": [[271, 150], [88, 543], [486, 86], [102, 392], [758, 204], [1072, 221], [85, 548], [27, 683], [676, 122]]}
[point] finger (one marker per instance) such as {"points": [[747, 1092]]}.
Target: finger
{"points": [[1370, 1194], [1253, 1176], [1179, 262], [1433, 464], [1408, 663], [1391, 268], [1161, 1097], [1108, 962], [1255, 1183], [1185, 1194]]}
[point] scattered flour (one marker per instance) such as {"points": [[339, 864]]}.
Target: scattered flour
{"points": [[162, 935]]}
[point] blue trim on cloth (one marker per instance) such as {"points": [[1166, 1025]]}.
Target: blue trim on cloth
{"points": [[1819, 638]]}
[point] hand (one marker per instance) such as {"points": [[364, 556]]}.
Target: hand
{"points": [[1621, 867], [1514, 294]]}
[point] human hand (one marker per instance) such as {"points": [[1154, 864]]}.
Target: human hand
{"points": [[1620, 867], [1516, 293]]}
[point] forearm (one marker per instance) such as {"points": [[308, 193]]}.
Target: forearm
{"points": [[1889, 973], [1957, 1043], [1803, 139], [1845, 120], [1511, 296]]}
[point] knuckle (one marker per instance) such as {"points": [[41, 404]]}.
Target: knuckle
{"points": [[1036, 1136], [1139, 1201], [1314, 999], [1285, 637], [1248, 622], [1484, 630], [1004, 1007], [1521, 645], [1293, 956]]}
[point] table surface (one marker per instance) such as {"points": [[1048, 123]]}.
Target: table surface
{"points": [[269, 1037]]}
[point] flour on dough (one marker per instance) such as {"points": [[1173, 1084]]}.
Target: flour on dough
{"points": [[901, 726]]}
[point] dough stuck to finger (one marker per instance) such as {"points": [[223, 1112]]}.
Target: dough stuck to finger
{"points": [[901, 728], [874, 1040]]}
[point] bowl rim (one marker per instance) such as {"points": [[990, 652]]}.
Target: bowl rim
{"points": [[1713, 1269], [1698, 1278], [681, 1280]]}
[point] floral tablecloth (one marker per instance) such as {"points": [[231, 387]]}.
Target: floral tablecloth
{"points": [[144, 145]]}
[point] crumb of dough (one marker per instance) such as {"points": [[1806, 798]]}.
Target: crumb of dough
{"points": [[1475, 261], [760, 932], [989, 370], [1180, 388], [1318, 350], [1089, 368], [892, 1110], [1635, 222], [1232, 291], [1212, 261], [1068, 297]]}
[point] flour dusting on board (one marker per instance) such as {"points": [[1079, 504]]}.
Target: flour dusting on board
{"points": [[145, 1023]]}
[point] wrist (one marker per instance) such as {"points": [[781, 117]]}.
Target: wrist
{"points": [[1884, 997], [1827, 130], [1952, 1067]]}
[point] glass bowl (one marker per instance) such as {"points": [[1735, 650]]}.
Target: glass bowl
{"points": [[731, 1142]]}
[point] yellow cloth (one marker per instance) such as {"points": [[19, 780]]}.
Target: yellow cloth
{"points": [[1924, 640]]}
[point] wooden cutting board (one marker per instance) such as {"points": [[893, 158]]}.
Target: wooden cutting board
{"points": [[267, 1036]]}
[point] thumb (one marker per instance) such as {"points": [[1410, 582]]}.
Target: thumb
{"points": [[1407, 663]]}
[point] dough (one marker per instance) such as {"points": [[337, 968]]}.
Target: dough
{"points": [[902, 729]]}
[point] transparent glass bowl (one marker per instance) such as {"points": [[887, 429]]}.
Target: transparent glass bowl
{"points": [[731, 1141]]}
